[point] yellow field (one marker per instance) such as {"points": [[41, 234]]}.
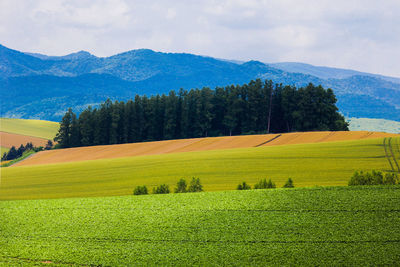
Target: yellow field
{"points": [[325, 163], [35, 128], [16, 132], [189, 145], [3, 149]]}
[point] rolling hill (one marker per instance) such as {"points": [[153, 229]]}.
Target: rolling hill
{"points": [[191, 145], [42, 87], [326, 163], [14, 132]]}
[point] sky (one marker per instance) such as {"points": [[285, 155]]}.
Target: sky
{"points": [[356, 34]]}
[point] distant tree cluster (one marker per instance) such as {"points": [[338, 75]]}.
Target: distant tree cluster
{"points": [[263, 184], [181, 187], [14, 153], [373, 178], [257, 107]]}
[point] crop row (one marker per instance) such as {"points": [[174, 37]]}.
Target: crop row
{"points": [[349, 225]]}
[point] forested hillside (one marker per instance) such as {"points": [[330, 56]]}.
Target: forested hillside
{"points": [[256, 107], [40, 87]]}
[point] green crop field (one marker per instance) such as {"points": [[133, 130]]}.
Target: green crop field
{"points": [[3, 149], [348, 226], [36, 128], [307, 164]]}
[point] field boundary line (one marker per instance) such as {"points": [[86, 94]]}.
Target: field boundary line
{"points": [[23, 159], [270, 140], [387, 154]]}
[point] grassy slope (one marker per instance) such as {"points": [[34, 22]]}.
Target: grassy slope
{"points": [[3, 149], [350, 226], [194, 144], [36, 128], [308, 164]]}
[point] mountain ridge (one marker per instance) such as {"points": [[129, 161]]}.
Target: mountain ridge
{"points": [[40, 86]]}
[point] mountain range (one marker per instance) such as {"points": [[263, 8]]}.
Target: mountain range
{"points": [[43, 87]]}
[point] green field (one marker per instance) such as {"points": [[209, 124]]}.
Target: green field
{"points": [[307, 164], [36, 128], [3, 149], [348, 226]]}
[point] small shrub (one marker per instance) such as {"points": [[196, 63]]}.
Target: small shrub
{"points": [[181, 186], [161, 189], [271, 184], [140, 190], [243, 186], [263, 184], [195, 185], [289, 183]]}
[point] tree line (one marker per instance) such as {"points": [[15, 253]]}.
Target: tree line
{"points": [[14, 153], [256, 107]]}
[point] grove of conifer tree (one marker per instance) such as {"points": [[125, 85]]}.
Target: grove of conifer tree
{"points": [[256, 107]]}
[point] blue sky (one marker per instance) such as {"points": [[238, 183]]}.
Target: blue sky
{"points": [[362, 35]]}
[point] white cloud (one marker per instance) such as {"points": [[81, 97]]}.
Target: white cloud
{"points": [[358, 34]]}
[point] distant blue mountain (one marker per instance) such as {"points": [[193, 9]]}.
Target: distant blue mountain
{"points": [[43, 87], [326, 72]]}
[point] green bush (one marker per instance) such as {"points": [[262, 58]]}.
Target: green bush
{"points": [[373, 178], [161, 189], [181, 186], [391, 178], [195, 185], [243, 186], [263, 184], [140, 190], [289, 183]]}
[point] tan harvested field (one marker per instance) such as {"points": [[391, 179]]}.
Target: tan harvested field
{"points": [[12, 139], [188, 145], [318, 137]]}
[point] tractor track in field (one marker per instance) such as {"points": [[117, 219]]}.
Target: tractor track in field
{"points": [[387, 153], [326, 137], [390, 155], [270, 140], [393, 154]]}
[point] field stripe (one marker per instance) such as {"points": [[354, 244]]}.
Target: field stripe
{"points": [[368, 134], [270, 140], [326, 137]]}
